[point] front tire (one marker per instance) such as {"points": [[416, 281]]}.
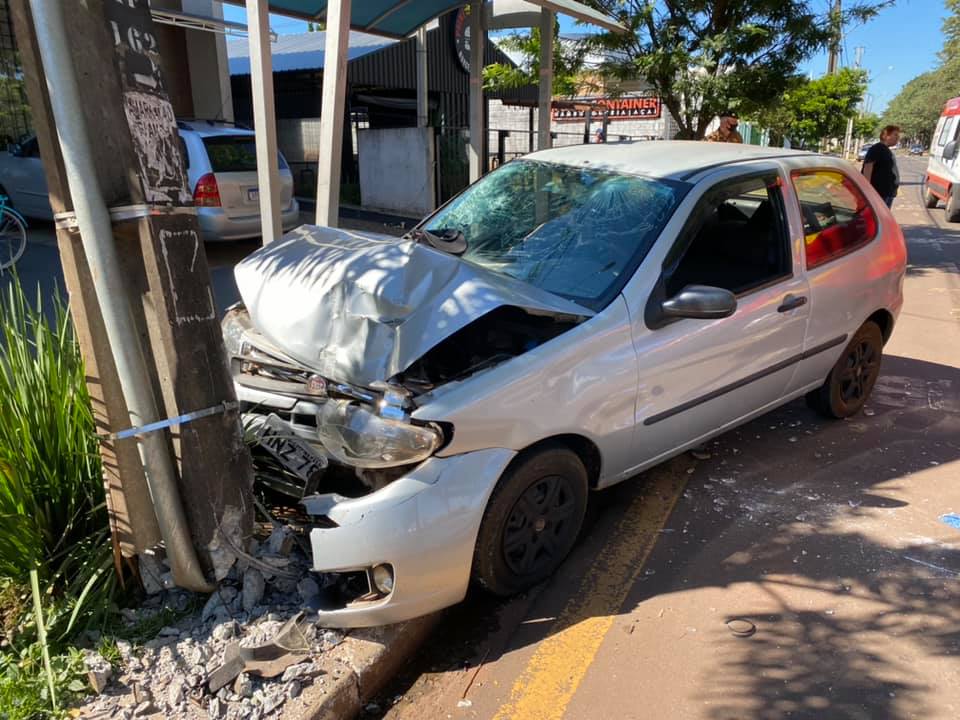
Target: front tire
{"points": [[531, 522], [852, 378]]}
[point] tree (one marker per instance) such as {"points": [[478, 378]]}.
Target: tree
{"points": [[568, 64], [866, 126], [918, 105], [702, 57], [821, 107]]}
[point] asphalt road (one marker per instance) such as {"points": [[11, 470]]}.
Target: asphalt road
{"points": [[823, 541]]}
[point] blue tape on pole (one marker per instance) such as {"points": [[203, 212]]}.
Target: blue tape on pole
{"points": [[171, 422]]}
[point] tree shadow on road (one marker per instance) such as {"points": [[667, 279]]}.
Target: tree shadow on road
{"points": [[849, 621]]}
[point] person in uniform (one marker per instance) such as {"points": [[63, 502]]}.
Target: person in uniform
{"points": [[727, 132]]}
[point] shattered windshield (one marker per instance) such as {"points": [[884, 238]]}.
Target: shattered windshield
{"points": [[577, 232]]}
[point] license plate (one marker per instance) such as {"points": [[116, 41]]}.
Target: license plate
{"points": [[276, 437], [253, 195]]}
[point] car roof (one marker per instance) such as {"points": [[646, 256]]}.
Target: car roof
{"points": [[673, 159], [211, 128]]}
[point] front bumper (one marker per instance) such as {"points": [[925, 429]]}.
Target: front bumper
{"points": [[423, 524], [215, 225]]}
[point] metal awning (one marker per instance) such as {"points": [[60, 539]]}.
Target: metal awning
{"points": [[400, 18], [189, 21]]}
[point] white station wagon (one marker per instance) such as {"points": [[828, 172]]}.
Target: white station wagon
{"points": [[579, 315]]}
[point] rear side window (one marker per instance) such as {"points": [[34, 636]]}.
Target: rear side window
{"points": [[946, 131], [837, 219], [234, 153]]}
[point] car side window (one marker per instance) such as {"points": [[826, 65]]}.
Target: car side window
{"points": [[946, 132], [736, 239], [837, 219]]}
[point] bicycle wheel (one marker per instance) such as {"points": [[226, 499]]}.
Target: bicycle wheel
{"points": [[13, 238]]}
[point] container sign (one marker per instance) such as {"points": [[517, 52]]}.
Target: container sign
{"points": [[622, 108]]}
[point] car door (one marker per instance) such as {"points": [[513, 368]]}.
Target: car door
{"points": [[26, 183], [846, 278], [943, 172], [698, 377]]}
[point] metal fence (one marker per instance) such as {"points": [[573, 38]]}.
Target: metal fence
{"points": [[14, 111]]}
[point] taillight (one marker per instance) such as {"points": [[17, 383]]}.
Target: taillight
{"points": [[206, 193]]}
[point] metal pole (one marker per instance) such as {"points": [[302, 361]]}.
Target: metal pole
{"points": [[331, 112], [544, 140], [475, 150], [422, 112], [96, 233], [264, 119]]}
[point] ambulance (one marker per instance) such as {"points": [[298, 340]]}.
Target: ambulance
{"points": [[942, 179]]}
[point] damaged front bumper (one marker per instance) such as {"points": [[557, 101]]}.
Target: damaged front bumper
{"points": [[423, 526]]}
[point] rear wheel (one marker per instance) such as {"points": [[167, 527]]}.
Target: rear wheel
{"points": [[953, 206], [13, 239], [851, 380], [929, 199], [531, 522]]}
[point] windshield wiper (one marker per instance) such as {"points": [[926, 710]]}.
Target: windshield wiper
{"points": [[448, 240]]}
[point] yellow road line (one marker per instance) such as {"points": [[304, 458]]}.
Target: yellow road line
{"points": [[556, 669]]}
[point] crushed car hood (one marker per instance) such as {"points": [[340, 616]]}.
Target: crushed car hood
{"points": [[361, 307]]}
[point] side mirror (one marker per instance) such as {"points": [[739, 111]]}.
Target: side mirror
{"points": [[701, 302], [950, 150], [15, 149]]}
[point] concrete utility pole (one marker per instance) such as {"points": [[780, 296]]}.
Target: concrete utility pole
{"points": [[126, 171], [545, 88], [848, 138], [837, 28]]}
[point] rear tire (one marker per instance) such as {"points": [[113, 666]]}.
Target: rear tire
{"points": [[850, 382], [929, 199], [953, 206], [531, 522]]}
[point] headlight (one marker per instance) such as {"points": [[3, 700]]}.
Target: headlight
{"points": [[359, 437], [235, 323]]}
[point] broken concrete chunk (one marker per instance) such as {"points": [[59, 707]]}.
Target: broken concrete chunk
{"points": [[243, 685], [253, 588], [175, 694], [302, 670], [99, 670], [225, 630], [293, 690], [152, 570], [280, 541]]}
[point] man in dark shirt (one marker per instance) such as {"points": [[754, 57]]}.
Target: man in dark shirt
{"points": [[880, 166]]}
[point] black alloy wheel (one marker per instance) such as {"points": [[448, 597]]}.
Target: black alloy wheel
{"points": [[537, 526], [532, 520], [850, 382]]}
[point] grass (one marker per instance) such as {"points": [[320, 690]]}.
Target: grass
{"points": [[53, 519]]}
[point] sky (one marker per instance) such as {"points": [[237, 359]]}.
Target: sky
{"points": [[901, 42]]}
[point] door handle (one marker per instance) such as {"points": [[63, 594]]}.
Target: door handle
{"points": [[792, 302]]}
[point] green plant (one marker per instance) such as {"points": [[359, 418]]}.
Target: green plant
{"points": [[24, 694], [52, 512]]}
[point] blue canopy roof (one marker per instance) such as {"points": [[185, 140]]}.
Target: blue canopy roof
{"points": [[394, 18], [400, 18]]}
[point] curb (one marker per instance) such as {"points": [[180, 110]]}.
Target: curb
{"points": [[357, 669]]}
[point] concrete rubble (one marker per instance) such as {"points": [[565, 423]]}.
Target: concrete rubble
{"points": [[167, 675]]}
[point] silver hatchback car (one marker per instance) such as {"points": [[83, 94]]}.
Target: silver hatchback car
{"points": [[221, 162], [448, 399]]}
